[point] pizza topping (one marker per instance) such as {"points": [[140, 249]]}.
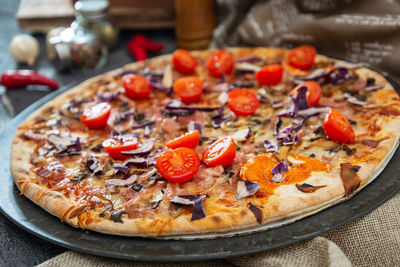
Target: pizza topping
{"points": [[337, 75], [350, 179], [302, 57], [270, 75], [243, 102], [195, 200], [184, 61], [250, 59], [190, 140], [115, 215], [177, 105], [257, 212], [241, 135], [194, 126], [157, 199], [277, 104], [136, 162], [218, 119], [144, 149], [114, 146], [245, 68], [371, 88], [354, 100], [143, 124], [259, 169], [371, 143], [307, 188], [271, 146], [221, 152], [121, 168], [96, 115], [122, 182], [136, 86], [63, 143], [93, 164], [110, 96], [246, 188], [220, 63], [389, 112], [34, 136], [188, 89], [178, 165], [313, 93], [313, 111], [278, 170], [338, 128]]}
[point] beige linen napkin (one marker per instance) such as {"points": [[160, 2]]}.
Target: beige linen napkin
{"points": [[372, 240]]}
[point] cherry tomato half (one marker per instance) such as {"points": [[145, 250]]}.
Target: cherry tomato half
{"points": [[302, 57], [221, 62], [114, 146], [96, 116], [313, 92], [184, 61], [270, 75], [189, 140], [188, 89], [178, 165], [338, 128], [243, 102], [221, 152], [136, 87]]}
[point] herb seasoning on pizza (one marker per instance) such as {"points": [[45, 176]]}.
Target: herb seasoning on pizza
{"points": [[208, 141]]}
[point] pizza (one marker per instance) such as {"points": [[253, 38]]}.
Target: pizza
{"points": [[208, 142]]}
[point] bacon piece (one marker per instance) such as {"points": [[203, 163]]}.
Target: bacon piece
{"points": [[54, 171], [205, 172], [358, 86], [388, 112], [171, 127], [240, 159], [199, 117], [371, 143]]}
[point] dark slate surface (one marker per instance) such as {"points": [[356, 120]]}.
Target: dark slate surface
{"points": [[18, 248]]}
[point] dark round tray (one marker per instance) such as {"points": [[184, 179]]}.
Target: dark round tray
{"points": [[35, 220]]}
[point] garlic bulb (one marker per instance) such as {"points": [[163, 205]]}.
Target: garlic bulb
{"points": [[24, 48]]}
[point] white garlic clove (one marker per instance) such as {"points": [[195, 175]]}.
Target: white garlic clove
{"points": [[24, 48]]}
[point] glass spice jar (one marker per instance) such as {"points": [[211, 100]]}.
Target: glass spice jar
{"points": [[84, 44]]}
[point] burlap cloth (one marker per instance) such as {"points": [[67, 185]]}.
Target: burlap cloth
{"points": [[372, 240]]}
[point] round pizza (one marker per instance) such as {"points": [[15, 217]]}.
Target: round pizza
{"points": [[208, 143]]}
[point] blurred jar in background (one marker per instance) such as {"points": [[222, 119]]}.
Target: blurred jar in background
{"points": [[84, 44], [195, 22]]}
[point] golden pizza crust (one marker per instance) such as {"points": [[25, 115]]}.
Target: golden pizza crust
{"points": [[286, 205]]}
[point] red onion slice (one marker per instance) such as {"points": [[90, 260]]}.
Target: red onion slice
{"points": [[195, 200], [278, 170], [354, 100], [145, 148], [246, 188], [241, 135]]}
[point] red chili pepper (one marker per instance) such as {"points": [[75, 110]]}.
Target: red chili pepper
{"points": [[148, 44], [22, 78], [137, 50]]}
